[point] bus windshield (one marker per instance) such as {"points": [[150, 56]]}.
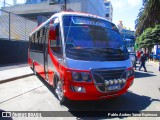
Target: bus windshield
{"points": [[92, 39]]}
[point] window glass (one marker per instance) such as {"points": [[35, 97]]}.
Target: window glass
{"points": [[106, 4], [92, 39], [32, 42], [41, 40], [56, 45], [36, 41]]}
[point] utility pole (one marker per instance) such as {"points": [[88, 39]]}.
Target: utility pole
{"points": [[4, 3], [65, 5]]}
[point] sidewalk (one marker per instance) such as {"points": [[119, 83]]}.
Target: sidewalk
{"points": [[20, 71], [155, 62]]}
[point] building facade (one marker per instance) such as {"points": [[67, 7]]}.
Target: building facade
{"points": [[38, 9], [109, 10], [35, 1]]}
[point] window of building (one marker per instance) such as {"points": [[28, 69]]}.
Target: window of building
{"points": [[107, 10], [107, 4], [107, 15]]}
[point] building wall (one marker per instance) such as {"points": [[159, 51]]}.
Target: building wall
{"points": [[109, 10], [13, 51], [32, 8], [15, 27], [89, 6], [95, 7]]}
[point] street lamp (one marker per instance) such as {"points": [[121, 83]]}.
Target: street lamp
{"points": [[65, 4]]}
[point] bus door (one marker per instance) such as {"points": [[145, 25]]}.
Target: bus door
{"points": [[46, 54]]}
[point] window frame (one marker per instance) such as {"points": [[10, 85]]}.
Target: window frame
{"points": [[52, 22]]}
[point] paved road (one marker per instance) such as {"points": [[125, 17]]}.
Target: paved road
{"points": [[33, 94]]}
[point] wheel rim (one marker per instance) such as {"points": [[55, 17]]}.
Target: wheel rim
{"points": [[59, 90]]}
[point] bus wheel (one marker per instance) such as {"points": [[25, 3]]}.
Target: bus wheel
{"points": [[60, 93]]}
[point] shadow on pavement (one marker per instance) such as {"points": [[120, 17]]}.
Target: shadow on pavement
{"points": [[141, 74], [130, 102]]}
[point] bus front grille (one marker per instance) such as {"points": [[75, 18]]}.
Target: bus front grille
{"points": [[102, 77]]}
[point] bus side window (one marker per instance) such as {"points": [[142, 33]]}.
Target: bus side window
{"points": [[32, 42], [55, 41], [41, 40], [36, 41]]}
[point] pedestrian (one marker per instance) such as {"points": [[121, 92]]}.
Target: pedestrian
{"points": [[151, 56], [142, 61], [138, 56]]}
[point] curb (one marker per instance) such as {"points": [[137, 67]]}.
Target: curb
{"points": [[15, 78]]}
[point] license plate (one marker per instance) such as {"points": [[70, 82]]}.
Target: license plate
{"points": [[115, 87]]}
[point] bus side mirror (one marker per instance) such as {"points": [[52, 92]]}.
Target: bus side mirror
{"points": [[52, 33]]}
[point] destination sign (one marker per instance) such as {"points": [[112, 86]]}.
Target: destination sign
{"points": [[90, 21]]}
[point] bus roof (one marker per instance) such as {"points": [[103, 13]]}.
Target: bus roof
{"points": [[67, 13]]}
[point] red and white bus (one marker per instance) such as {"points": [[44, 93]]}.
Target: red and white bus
{"points": [[82, 56]]}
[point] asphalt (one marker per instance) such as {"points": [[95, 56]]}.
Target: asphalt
{"points": [[14, 72]]}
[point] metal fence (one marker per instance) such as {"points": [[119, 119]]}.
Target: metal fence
{"points": [[15, 27]]}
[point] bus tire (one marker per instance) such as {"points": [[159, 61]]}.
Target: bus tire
{"points": [[59, 92]]}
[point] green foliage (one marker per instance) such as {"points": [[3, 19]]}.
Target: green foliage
{"points": [[149, 37], [149, 16]]}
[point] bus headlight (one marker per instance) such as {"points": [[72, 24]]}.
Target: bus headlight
{"points": [[116, 81], [75, 75], [130, 73], [120, 81], [123, 80], [85, 76], [111, 82], [81, 77], [106, 82]]}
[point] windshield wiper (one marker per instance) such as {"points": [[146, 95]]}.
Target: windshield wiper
{"points": [[100, 51]]}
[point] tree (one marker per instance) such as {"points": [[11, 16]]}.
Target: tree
{"points": [[148, 15], [156, 34], [149, 38]]}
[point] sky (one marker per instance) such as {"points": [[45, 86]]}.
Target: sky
{"points": [[10, 2], [127, 11]]}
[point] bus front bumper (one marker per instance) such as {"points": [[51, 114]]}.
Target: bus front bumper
{"points": [[90, 92]]}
